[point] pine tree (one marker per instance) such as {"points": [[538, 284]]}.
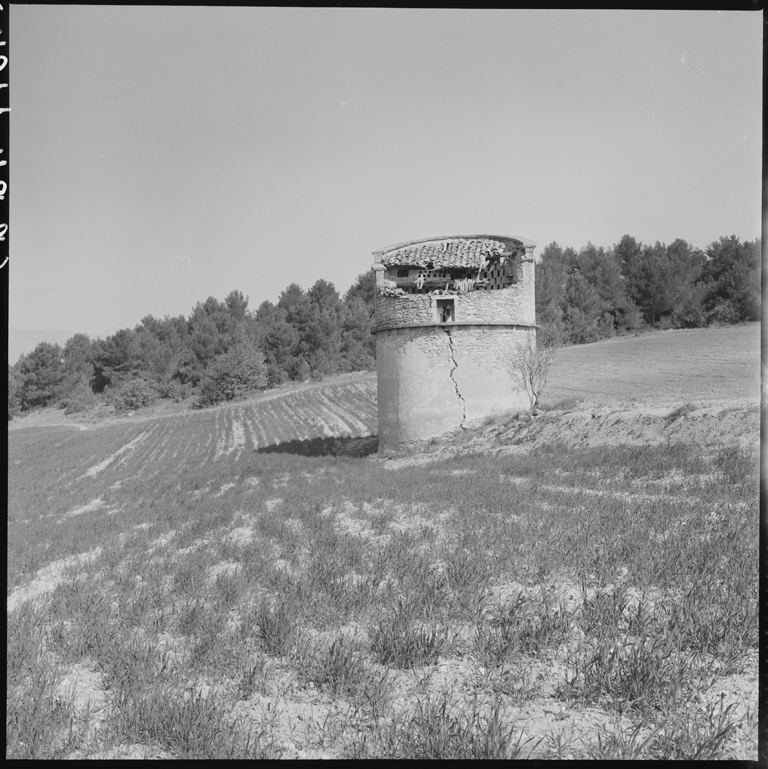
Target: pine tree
{"points": [[41, 374], [551, 279], [733, 275], [115, 359]]}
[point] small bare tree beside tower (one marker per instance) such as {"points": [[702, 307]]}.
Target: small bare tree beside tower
{"points": [[532, 361]]}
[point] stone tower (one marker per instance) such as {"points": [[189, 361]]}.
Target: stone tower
{"points": [[450, 314]]}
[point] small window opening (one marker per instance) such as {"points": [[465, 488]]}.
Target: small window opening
{"points": [[402, 273], [445, 310]]}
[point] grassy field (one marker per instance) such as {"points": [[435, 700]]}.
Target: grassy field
{"points": [[662, 367], [245, 582]]}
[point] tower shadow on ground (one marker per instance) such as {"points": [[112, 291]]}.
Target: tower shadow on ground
{"points": [[324, 447]]}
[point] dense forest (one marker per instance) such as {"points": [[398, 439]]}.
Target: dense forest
{"points": [[224, 350]]}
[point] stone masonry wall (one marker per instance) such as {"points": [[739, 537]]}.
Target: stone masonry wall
{"points": [[412, 309], [435, 379], [514, 305]]}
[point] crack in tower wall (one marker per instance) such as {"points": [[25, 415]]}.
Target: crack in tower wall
{"points": [[455, 384]]}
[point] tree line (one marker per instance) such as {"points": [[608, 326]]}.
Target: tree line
{"points": [[223, 350], [597, 293]]}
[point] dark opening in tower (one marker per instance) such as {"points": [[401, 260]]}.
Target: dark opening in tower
{"points": [[445, 310]]}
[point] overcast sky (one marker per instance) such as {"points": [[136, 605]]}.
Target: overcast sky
{"points": [[161, 155]]}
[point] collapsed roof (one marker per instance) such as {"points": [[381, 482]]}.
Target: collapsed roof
{"points": [[468, 251]]}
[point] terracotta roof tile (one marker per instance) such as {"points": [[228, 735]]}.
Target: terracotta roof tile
{"points": [[453, 252]]}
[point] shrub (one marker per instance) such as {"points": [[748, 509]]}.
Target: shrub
{"points": [[666, 323], [360, 360], [209, 394], [133, 395], [723, 312], [605, 326], [172, 389], [303, 371], [82, 398], [238, 371], [275, 375]]}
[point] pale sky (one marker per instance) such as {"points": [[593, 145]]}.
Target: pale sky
{"points": [[161, 155]]}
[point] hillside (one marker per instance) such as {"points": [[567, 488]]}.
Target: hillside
{"points": [[578, 584], [695, 386], [663, 367], [645, 376]]}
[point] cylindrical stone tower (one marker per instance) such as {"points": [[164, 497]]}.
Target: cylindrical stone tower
{"points": [[451, 314]]}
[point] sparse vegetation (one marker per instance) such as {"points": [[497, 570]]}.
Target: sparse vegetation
{"points": [[441, 729], [565, 404], [274, 626], [177, 590], [679, 411], [401, 641]]}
